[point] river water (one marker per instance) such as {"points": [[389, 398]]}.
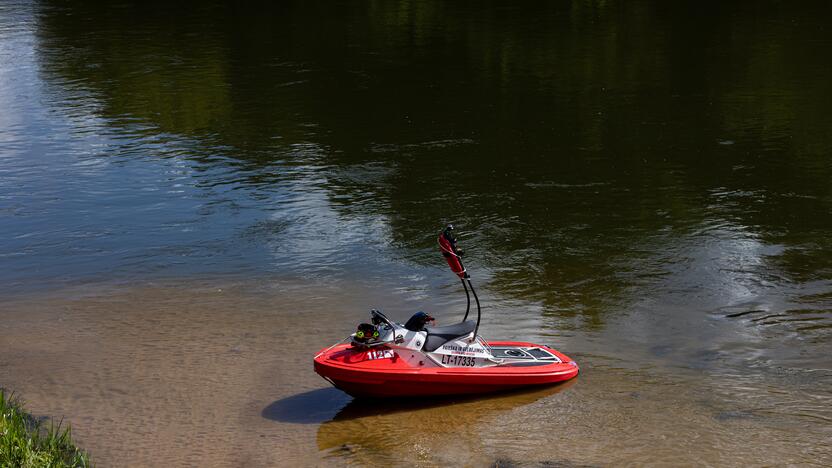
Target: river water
{"points": [[195, 197]]}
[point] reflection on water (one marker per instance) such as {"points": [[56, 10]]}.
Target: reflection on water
{"points": [[445, 431], [645, 186]]}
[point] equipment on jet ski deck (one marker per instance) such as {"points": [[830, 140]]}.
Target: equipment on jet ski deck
{"points": [[366, 333], [387, 359], [418, 321]]}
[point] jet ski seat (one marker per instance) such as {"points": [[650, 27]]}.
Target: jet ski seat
{"points": [[437, 336]]}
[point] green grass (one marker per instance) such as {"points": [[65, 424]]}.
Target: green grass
{"points": [[25, 442]]}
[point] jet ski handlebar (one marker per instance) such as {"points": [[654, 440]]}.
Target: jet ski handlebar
{"points": [[378, 318], [453, 255]]}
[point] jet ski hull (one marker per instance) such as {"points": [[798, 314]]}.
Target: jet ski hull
{"points": [[385, 372]]}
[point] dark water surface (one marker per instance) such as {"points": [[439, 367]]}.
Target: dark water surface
{"points": [[197, 196]]}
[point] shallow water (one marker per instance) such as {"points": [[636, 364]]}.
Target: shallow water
{"points": [[219, 373], [194, 199]]}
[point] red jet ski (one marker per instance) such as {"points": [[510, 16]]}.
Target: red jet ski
{"points": [[387, 359]]}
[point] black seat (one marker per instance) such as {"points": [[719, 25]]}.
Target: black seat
{"points": [[437, 336]]}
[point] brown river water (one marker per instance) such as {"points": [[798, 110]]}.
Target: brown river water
{"points": [[196, 197], [219, 373]]}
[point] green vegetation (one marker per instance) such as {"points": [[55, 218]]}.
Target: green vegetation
{"points": [[24, 442]]}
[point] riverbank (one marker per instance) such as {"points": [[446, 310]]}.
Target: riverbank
{"points": [[218, 372], [27, 441]]}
